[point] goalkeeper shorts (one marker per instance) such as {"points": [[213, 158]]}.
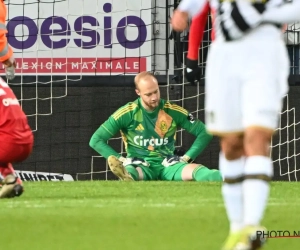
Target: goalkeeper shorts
{"points": [[149, 174], [154, 171]]}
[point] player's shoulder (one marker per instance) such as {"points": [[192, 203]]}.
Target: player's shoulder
{"points": [[177, 111], [171, 107], [126, 110]]}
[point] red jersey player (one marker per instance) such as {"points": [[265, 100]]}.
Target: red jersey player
{"points": [[192, 71], [16, 138]]}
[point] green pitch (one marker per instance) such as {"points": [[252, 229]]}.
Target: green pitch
{"points": [[133, 216]]}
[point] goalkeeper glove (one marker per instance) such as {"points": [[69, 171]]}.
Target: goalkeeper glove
{"points": [[179, 151], [173, 159], [135, 161], [192, 71]]}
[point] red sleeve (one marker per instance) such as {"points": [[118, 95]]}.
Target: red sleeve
{"points": [[213, 15], [196, 32]]}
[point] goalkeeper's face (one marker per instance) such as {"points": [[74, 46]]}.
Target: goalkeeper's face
{"points": [[148, 90]]}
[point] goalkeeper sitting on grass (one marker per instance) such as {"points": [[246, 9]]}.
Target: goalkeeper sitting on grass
{"points": [[148, 127]]}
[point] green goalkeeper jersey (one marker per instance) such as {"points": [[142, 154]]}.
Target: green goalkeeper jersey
{"points": [[149, 134]]}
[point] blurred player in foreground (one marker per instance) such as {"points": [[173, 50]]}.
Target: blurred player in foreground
{"points": [[196, 33], [246, 80], [148, 127], [16, 138]]}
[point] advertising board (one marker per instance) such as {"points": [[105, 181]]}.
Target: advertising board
{"points": [[80, 37]]}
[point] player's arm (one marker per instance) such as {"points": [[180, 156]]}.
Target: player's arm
{"points": [[194, 127], [285, 13], [196, 33], [106, 131], [6, 51], [192, 7], [186, 9], [195, 38], [203, 138]]}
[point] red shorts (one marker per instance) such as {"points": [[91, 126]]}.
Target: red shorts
{"points": [[11, 152]]}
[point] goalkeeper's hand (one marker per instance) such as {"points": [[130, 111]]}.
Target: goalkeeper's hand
{"points": [[173, 159], [192, 71], [135, 161], [10, 66]]}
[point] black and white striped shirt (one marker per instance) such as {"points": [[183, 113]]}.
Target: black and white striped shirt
{"points": [[235, 18]]}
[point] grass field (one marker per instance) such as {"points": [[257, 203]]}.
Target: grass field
{"points": [[133, 216]]}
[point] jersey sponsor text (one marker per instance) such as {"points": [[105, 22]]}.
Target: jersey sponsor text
{"points": [[140, 141]]}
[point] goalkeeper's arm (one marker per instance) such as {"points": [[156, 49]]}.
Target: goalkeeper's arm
{"points": [[99, 142], [106, 131], [196, 128], [203, 138]]}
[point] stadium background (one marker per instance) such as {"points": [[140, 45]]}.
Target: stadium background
{"points": [[62, 135]]}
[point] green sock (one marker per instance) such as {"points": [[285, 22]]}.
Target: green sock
{"points": [[133, 172], [202, 173]]}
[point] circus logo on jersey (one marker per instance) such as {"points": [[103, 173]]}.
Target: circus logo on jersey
{"points": [[144, 142]]}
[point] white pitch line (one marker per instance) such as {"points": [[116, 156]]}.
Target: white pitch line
{"points": [[75, 203]]}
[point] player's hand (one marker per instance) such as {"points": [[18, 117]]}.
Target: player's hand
{"points": [[179, 20], [192, 71], [173, 159], [11, 62], [10, 66], [135, 161], [179, 151]]}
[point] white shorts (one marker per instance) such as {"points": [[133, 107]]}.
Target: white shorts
{"points": [[245, 85]]}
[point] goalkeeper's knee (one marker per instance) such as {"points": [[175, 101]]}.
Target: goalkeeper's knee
{"points": [[202, 173], [133, 172]]}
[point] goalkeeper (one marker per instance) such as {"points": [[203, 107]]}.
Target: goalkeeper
{"points": [[148, 127]]}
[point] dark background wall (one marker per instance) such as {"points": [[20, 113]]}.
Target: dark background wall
{"points": [[62, 139]]}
